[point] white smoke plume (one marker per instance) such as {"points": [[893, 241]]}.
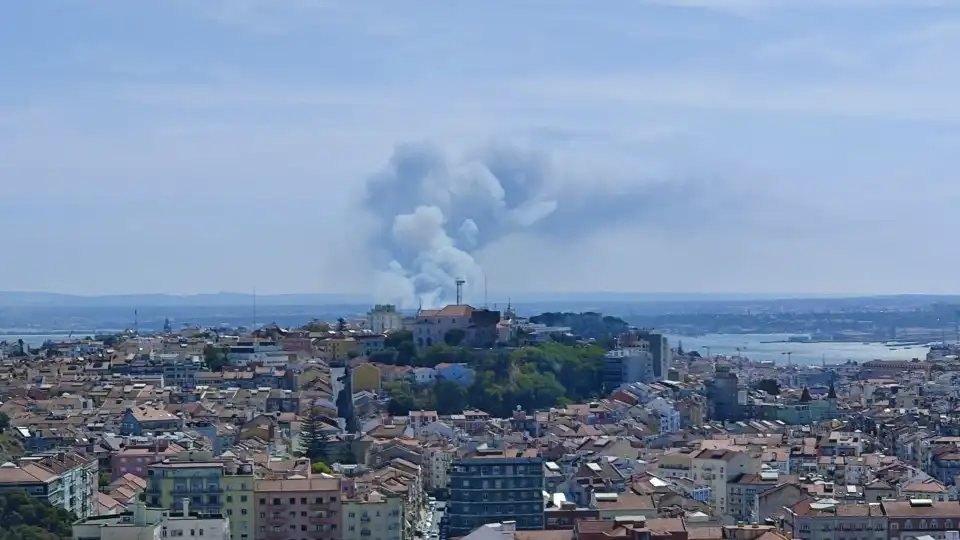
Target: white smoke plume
{"points": [[434, 214]]}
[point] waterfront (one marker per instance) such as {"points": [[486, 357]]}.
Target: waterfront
{"points": [[759, 347], [36, 340]]}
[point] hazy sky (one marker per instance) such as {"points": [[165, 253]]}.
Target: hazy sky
{"points": [[687, 145]]}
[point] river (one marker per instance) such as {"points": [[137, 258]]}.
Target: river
{"points": [[759, 347], [754, 346], [35, 340]]}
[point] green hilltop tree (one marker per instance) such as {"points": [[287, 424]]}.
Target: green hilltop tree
{"points": [[312, 438]]}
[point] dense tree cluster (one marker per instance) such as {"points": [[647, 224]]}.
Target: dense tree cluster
{"points": [[588, 325], [532, 377], [25, 518]]}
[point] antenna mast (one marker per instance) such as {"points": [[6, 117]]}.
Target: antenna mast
{"points": [[460, 283]]}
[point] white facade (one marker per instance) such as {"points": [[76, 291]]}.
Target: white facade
{"points": [[384, 318], [375, 516], [152, 524], [425, 375], [436, 473], [669, 415]]}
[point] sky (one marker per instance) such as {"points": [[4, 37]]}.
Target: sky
{"points": [[767, 146]]}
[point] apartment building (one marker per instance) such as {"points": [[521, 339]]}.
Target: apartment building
{"points": [[825, 519], [493, 485], [63, 479], [437, 460], [917, 518], [373, 515], [298, 508], [715, 467], [224, 485], [742, 492], [676, 464], [152, 523]]}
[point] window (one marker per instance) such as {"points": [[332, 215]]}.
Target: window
{"points": [[243, 498], [276, 501], [293, 500], [263, 501], [243, 511], [303, 500]]}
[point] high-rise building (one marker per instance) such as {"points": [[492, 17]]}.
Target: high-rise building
{"points": [[660, 351], [492, 485], [626, 365]]}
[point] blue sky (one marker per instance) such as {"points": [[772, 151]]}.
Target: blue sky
{"points": [[195, 146]]}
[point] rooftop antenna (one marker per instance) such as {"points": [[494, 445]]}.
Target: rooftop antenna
{"points": [[460, 283]]}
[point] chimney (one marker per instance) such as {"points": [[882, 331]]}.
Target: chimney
{"points": [[186, 507], [508, 527]]}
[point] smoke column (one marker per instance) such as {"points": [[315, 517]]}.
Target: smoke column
{"points": [[433, 214]]}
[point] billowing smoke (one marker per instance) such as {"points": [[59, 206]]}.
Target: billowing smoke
{"points": [[434, 213]]}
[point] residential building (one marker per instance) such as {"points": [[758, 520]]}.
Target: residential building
{"points": [[152, 523], [459, 373], [303, 508], [367, 377], [148, 419], [424, 376], [493, 485], [714, 468], [224, 485], [373, 515], [743, 490], [668, 413], [826, 519], [135, 458], [626, 365], [659, 351], [917, 518], [420, 419], [437, 460], [63, 479]]}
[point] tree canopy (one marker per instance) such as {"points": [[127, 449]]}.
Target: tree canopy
{"points": [[23, 517], [312, 438], [532, 377], [215, 358]]}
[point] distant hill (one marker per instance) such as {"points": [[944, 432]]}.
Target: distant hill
{"points": [[225, 299]]}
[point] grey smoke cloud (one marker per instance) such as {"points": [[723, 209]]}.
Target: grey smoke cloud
{"points": [[434, 213]]}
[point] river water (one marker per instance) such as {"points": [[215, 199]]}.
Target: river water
{"points": [[35, 340], [754, 346], [759, 347]]}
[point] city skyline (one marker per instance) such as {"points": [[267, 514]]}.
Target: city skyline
{"points": [[730, 146]]}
